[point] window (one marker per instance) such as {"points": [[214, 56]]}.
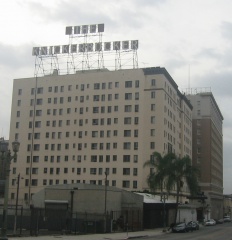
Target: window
{"points": [[135, 185], [152, 132], [136, 145], [152, 107], [34, 182], [152, 119], [152, 94], [136, 108], [125, 184], [152, 145], [137, 83], [153, 82], [18, 114], [135, 158], [109, 97], [127, 133], [96, 98], [96, 86], [126, 158], [136, 133], [19, 91], [39, 90], [128, 108], [136, 120], [136, 96], [94, 158], [126, 171], [95, 122], [128, 84], [93, 171], [93, 146], [128, 96], [37, 124], [37, 135], [39, 101], [19, 103], [95, 109], [127, 120], [108, 121]]}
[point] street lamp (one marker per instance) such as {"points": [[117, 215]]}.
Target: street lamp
{"points": [[16, 205], [163, 198], [7, 157]]}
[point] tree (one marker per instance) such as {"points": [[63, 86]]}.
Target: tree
{"points": [[181, 171], [172, 171], [160, 166]]}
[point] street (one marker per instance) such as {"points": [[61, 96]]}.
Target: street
{"points": [[221, 231]]}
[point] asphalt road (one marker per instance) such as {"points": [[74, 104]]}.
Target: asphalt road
{"points": [[217, 232]]}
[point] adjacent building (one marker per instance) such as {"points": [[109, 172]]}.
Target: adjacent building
{"points": [[208, 149], [96, 127]]}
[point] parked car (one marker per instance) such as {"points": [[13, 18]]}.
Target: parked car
{"points": [[180, 227], [210, 222], [193, 225], [227, 219], [219, 221]]}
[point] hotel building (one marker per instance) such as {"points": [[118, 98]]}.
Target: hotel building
{"points": [[96, 125]]}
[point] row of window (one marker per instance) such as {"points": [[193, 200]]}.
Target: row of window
{"points": [[95, 121], [94, 134], [92, 171], [34, 182], [79, 158], [94, 146], [96, 86]]}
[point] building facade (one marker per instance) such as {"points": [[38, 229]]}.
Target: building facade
{"points": [[208, 149], [96, 127]]}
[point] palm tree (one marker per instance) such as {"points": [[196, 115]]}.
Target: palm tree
{"points": [[174, 171], [160, 165], [181, 171]]}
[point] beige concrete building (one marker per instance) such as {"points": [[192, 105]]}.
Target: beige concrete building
{"points": [[208, 150], [93, 125]]}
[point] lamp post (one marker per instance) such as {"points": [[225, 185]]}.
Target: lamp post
{"points": [[7, 157], [16, 205], [163, 198]]}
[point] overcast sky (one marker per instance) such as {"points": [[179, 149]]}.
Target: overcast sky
{"points": [[192, 39]]}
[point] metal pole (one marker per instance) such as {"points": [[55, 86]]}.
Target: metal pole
{"points": [[105, 198], [16, 206], [164, 197], [5, 208]]}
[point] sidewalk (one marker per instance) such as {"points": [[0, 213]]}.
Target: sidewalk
{"points": [[102, 236]]}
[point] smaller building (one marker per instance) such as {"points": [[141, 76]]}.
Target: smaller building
{"points": [[87, 208]]}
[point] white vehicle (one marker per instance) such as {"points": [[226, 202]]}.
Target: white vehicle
{"points": [[210, 222], [227, 219]]}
